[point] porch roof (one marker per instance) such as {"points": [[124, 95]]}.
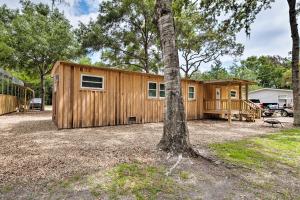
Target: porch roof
{"points": [[230, 82]]}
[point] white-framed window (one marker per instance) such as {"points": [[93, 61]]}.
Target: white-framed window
{"points": [[92, 82], [233, 93], [162, 90], [152, 89], [191, 93]]}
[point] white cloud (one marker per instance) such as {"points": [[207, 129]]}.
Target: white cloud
{"points": [[70, 9]]}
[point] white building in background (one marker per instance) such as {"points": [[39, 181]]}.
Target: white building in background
{"points": [[270, 95]]}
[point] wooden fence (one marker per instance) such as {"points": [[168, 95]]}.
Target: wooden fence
{"points": [[8, 104]]}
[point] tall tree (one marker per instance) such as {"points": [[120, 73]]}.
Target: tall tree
{"points": [[176, 135], [202, 38], [125, 33], [295, 60], [40, 37], [6, 17]]}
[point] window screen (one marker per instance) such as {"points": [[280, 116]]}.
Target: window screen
{"points": [[191, 92], [152, 89], [162, 90], [92, 82]]}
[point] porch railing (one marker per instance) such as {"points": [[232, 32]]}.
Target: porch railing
{"points": [[243, 106]]}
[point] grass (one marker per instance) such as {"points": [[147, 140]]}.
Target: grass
{"points": [[142, 182], [184, 175], [6, 189], [282, 148]]}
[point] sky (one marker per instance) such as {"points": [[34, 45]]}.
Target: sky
{"points": [[270, 33]]}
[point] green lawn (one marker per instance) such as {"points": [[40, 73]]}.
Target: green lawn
{"points": [[265, 152]]}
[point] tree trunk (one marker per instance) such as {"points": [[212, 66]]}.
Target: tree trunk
{"points": [[295, 60], [42, 92], [146, 57], [175, 134]]}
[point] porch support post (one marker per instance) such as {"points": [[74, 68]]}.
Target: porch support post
{"points": [[240, 101], [229, 103], [247, 89]]}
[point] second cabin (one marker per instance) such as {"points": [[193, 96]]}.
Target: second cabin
{"points": [[89, 96]]}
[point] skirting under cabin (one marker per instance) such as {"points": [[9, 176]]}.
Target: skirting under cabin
{"points": [[90, 96]]}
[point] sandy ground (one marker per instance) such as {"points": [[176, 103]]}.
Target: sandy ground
{"points": [[33, 152]]}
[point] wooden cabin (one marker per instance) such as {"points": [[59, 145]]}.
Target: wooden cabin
{"points": [[89, 96]]}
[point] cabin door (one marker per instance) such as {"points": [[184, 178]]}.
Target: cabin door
{"points": [[218, 98]]}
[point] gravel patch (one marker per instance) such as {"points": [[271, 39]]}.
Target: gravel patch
{"points": [[32, 150]]}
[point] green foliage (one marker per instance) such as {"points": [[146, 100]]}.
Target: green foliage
{"points": [[268, 71], [38, 37], [85, 60], [236, 15], [217, 72], [201, 38], [125, 33], [6, 16], [263, 152]]}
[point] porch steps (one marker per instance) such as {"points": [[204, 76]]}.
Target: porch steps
{"points": [[251, 112]]}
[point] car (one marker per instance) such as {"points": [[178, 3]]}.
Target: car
{"points": [[287, 112], [35, 103], [256, 102]]}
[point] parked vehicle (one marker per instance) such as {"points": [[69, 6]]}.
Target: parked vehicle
{"points": [[256, 102], [35, 103], [287, 112]]}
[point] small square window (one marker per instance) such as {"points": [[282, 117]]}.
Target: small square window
{"points": [[233, 93], [152, 86], [162, 90], [191, 92]]}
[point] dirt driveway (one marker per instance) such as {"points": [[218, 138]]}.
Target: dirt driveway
{"points": [[33, 153]]}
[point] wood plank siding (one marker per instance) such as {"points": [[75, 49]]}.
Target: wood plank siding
{"points": [[123, 100], [8, 104]]}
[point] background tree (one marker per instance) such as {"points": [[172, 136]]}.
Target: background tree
{"points": [[125, 34], [39, 38], [201, 38], [217, 72], [295, 60], [6, 17], [266, 70]]}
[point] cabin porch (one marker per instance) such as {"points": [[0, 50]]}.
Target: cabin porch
{"points": [[228, 99]]}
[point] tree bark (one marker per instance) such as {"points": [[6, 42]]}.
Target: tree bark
{"points": [[42, 92], [175, 137], [295, 60]]}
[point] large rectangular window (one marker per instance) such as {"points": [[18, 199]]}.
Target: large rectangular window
{"points": [[92, 82], [191, 93], [162, 90], [152, 88]]}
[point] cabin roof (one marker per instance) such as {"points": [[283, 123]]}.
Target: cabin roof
{"points": [[230, 81], [110, 69], [220, 82]]}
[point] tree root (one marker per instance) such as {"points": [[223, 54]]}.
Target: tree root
{"points": [[175, 165]]}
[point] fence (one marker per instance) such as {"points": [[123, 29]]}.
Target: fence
{"points": [[13, 94]]}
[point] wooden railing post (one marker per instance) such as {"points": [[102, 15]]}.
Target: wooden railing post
{"points": [[241, 103], [229, 103]]}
